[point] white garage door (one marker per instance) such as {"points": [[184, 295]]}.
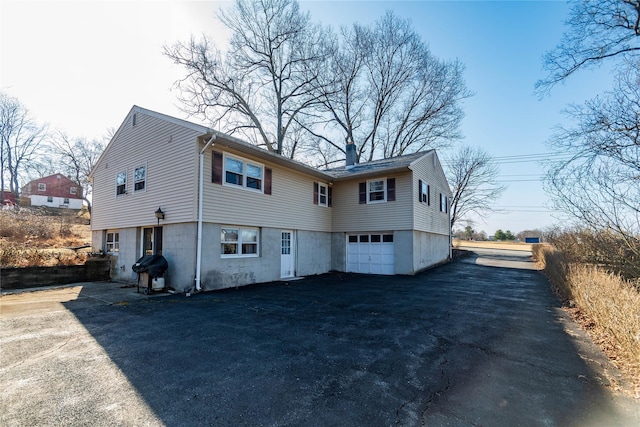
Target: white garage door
{"points": [[370, 253]]}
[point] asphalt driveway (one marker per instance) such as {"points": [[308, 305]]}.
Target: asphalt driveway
{"points": [[479, 342]]}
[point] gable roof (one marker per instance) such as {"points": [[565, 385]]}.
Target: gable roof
{"points": [[373, 168]]}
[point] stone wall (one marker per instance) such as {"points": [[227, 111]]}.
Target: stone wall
{"points": [[94, 270]]}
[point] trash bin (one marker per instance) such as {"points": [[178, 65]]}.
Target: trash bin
{"points": [[150, 269]]}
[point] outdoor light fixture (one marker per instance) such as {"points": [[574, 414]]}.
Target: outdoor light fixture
{"points": [[159, 214]]}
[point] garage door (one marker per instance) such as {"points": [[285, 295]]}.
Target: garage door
{"points": [[370, 253]]}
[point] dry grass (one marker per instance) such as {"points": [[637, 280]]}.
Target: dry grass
{"points": [[514, 246], [605, 304], [30, 237]]}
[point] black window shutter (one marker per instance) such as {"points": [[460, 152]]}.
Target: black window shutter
{"points": [[391, 189], [420, 190], [315, 193], [267, 181], [329, 196], [363, 192], [428, 195], [216, 170]]}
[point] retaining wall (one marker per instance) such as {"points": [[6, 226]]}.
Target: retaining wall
{"points": [[93, 270]]}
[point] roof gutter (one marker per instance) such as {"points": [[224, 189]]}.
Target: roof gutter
{"points": [[200, 204]]}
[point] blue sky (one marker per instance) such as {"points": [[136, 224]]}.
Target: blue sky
{"points": [[80, 66]]}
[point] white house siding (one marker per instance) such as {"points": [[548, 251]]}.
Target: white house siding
{"points": [[429, 218], [169, 152], [290, 206], [351, 216], [57, 202]]}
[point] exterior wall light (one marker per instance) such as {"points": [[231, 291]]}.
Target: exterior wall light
{"points": [[159, 215]]}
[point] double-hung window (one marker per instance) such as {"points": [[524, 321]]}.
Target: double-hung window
{"points": [[243, 173], [42, 186], [376, 191], [443, 203], [239, 242], [140, 178], [73, 190], [322, 194], [113, 242], [121, 183], [423, 192]]}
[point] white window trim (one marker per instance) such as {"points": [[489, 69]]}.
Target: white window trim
{"points": [[244, 173], [384, 191], [43, 185], [239, 242], [113, 242], [444, 202], [326, 194], [142, 190], [125, 183], [73, 190], [425, 194]]}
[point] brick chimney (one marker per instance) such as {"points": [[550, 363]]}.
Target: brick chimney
{"points": [[352, 155]]}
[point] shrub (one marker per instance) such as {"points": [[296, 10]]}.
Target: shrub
{"points": [[610, 302], [605, 249]]}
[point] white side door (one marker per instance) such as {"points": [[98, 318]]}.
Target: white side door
{"points": [[287, 254]]}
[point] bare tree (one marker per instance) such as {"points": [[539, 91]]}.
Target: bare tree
{"points": [[598, 30], [472, 176], [390, 95], [263, 83], [20, 138], [599, 184], [78, 157]]}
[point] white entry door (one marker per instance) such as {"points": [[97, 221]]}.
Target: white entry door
{"points": [[370, 253], [287, 257]]}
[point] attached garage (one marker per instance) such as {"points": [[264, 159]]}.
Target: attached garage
{"points": [[370, 253]]}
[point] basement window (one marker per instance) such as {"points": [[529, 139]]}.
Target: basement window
{"points": [[239, 242], [113, 242]]}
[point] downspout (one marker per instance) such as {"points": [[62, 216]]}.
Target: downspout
{"points": [[200, 203]]}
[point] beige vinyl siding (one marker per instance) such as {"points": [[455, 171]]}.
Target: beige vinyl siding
{"points": [[169, 152], [351, 216], [290, 206], [429, 218]]}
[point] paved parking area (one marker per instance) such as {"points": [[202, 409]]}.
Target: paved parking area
{"points": [[477, 342]]}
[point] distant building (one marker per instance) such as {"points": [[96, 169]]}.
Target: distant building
{"points": [[54, 191], [9, 199]]}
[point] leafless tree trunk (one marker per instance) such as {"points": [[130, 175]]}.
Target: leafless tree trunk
{"points": [[472, 176], [390, 95], [20, 138], [264, 82]]}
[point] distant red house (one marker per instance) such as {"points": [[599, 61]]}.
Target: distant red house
{"points": [[9, 199], [55, 190]]}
